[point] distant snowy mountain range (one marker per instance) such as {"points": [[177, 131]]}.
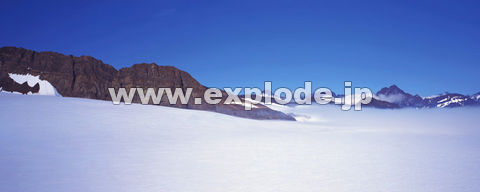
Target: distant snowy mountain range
{"points": [[400, 99]]}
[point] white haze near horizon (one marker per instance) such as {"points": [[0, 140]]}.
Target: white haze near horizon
{"points": [[69, 144]]}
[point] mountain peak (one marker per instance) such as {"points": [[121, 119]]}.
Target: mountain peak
{"points": [[392, 90], [393, 87]]}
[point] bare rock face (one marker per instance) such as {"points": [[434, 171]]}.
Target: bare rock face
{"points": [[83, 76], [154, 76], [87, 77]]}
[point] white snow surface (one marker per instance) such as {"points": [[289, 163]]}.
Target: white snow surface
{"points": [[46, 88], [50, 144]]}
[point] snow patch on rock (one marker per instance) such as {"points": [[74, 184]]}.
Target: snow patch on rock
{"points": [[46, 88]]}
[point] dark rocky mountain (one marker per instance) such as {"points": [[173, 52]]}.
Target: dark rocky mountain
{"points": [[87, 77], [395, 95]]}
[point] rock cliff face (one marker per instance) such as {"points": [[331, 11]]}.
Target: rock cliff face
{"points": [[84, 76], [87, 77]]}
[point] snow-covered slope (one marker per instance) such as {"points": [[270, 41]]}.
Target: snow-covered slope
{"points": [[46, 88], [476, 97], [70, 144], [450, 100]]}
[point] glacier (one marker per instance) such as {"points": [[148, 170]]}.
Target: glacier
{"points": [[72, 144]]}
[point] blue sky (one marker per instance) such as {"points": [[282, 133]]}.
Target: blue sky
{"points": [[424, 47]]}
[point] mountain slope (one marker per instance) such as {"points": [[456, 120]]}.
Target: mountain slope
{"points": [[395, 95]]}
